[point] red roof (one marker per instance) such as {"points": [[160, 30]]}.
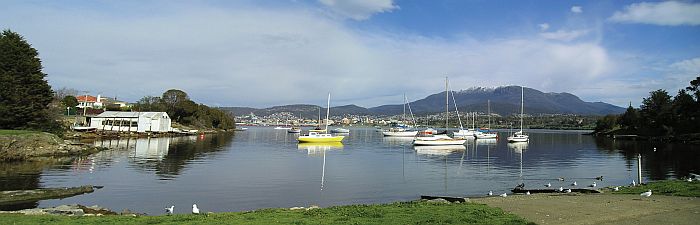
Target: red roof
{"points": [[90, 98]]}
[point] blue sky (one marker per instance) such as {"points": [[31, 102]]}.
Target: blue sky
{"points": [[366, 52]]}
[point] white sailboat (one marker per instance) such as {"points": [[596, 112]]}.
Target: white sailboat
{"points": [[441, 139], [401, 131], [487, 134], [520, 136]]}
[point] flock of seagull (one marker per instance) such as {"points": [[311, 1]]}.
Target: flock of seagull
{"points": [[171, 209], [561, 189]]}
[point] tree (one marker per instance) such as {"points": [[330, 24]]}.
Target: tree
{"points": [[70, 101], [149, 104], [656, 112], [695, 88], [684, 113], [630, 119], [24, 91], [606, 123]]}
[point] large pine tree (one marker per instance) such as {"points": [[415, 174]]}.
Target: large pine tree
{"points": [[24, 92]]}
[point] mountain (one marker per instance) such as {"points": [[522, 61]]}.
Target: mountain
{"points": [[504, 101]]}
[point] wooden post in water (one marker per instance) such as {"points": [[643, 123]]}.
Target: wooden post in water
{"points": [[639, 168]]}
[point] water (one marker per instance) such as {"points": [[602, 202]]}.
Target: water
{"points": [[263, 168]]}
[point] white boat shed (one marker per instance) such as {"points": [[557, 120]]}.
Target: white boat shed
{"points": [[140, 122]]}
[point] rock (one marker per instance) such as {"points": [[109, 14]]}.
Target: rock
{"points": [[439, 200], [313, 207], [296, 208]]}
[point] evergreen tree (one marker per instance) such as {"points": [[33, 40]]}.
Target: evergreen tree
{"points": [[656, 113], [24, 92], [630, 119], [683, 110]]}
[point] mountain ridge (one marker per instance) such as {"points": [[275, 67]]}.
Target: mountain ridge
{"points": [[505, 100]]}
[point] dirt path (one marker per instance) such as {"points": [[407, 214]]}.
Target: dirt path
{"points": [[599, 208]]}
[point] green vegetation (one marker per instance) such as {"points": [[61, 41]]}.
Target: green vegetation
{"points": [[17, 132], [24, 92], [659, 115], [185, 111], [665, 187], [394, 213]]}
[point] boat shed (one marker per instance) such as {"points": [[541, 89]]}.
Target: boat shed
{"points": [[140, 122]]}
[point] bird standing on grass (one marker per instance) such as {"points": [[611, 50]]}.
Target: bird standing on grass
{"points": [[634, 183], [616, 188], [574, 183], [548, 185], [594, 184], [568, 190], [561, 189], [646, 194], [195, 210], [528, 193], [490, 193], [169, 210], [504, 195]]}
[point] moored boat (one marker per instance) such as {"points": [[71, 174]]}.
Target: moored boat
{"points": [[520, 136]]}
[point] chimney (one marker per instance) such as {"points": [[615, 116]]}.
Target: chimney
{"points": [[98, 98]]}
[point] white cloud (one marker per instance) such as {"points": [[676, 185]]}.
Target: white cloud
{"points": [[576, 9], [359, 9], [564, 35], [543, 26], [668, 13], [250, 56]]}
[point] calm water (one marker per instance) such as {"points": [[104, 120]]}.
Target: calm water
{"points": [[263, 167]]}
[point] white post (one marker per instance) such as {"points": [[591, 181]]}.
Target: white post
{"points": [[639, 168]]}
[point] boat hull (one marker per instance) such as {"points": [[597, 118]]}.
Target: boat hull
{"points": [[486, 135], [400, 133], [307, 139]]}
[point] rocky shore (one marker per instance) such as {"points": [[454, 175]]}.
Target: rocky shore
{"points": [[30, 145]]}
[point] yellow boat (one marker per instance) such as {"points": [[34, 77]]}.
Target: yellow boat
{"points": [[314, 137]]}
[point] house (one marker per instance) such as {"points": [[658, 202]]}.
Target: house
{"points": [[88, 101], [140, 122]]}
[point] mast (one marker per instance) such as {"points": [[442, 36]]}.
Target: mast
{"points": [[447, 106], [403, 118], [328, 111], [522, 98], [457, 111], [488, 106]]}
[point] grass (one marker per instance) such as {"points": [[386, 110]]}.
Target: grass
{"points": [[393, 213], [665, 187], [17, 132]]}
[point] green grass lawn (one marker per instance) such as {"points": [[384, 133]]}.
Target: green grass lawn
{"points": [[394, 213], [665, 187], [17, 132]]}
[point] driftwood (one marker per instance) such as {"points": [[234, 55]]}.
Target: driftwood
{"points": [[448, 198], [22, 196]]}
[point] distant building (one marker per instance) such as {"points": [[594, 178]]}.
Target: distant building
{"points": [[88, 101], [132, 121]]}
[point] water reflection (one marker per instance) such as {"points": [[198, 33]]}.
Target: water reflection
{"points": [[670, 160], [318, 149], [441, 150], [518, 147]]}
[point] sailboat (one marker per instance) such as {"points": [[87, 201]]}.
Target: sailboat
{"points": [[441, 139], [401, 131], [486, 134], [316, 137], [462, 133], [318, 127], [520, 136]]}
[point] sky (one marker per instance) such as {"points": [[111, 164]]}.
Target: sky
{"points": [[262, 53]]}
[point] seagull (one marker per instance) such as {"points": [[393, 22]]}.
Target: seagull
{"points": [[504, 195], [689, 179], [490, 193], [654, 148], [616, 189], [646, 194], [195, 210], [593, 185], [548, 185], [568, 190], [561, 189], [560, 179], [634, 183], [573, 184], [599, 178], [527, 193], [169, 210]]}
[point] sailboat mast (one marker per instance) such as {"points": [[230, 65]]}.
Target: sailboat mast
{"points": [[403, 118], [447, 106], [488, 106], [522, 98], [328, 110]]}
